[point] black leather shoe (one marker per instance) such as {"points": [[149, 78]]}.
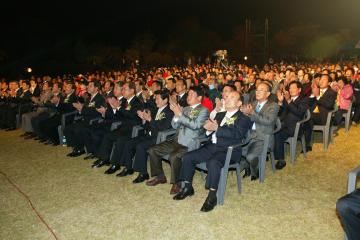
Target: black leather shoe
{"points": [[30, 136], [95, 163], [10, 129], [125, 172], [185, 192], [42, 140], [101, 163], [112, 169], [247, 172], [90, 156], [25, 134], [280, 165], [78, 153], [70, 154], [48, 142], [141, 178], [254, 178], [209, 204]]}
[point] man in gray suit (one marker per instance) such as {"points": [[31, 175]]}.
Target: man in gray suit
{"points": [[263, 113], [189, 125]]}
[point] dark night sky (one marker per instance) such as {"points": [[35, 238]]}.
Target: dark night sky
{"points": [[28, 26]]}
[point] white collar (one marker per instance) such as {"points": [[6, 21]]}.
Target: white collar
{"points": [[93, 96], [161, 109], [195, 105], [263, 103], [230, 114], [294, 98], [181, 95], [129, 100]]}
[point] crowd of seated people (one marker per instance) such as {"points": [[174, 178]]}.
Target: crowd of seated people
{"points": [[224, 106]]}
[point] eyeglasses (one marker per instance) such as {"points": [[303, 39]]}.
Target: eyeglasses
{"points": [[263, 91]]}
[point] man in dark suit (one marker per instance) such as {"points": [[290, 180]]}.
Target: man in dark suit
{"points": [[189, 124], [348, 208], [49, 126], [74, 133], [293, 107], [228, 128], [322, 101], [129, 118], [181, 95], [108, 89], [110, 114], [10, 101], [263, 113], [56, 92], [19, 102], [153, 123]]}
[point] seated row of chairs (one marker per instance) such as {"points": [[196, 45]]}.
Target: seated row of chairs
{"points": [[327, 131]]}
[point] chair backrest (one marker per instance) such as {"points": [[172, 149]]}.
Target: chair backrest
{"points": [[352, 179], [277, 126], [306, 118], [163, 135], [330, 114]]}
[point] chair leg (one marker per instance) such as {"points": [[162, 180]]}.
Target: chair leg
{"points": [[61, 136], [203, 176], [238, 177], [326, 138], [262, 161], [347, 123], [272, 156], [292, 150], [221, 187], [303, 145]]}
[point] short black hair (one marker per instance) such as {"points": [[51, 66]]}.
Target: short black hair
{"points": [[164, 94], [111, 83], [298, 84], [230, 86], [183, 81], [309, 76], [158, 83], [199, 90], [97, 84], [344, 79], [171, 79], [267, 84]]}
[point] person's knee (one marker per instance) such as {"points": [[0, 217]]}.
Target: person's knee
{"points": [[342, 205], [151, 151], [251, 157], [213, 164]]}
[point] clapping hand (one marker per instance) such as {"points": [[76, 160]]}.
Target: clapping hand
{"points": [[55, 100], [114, 103], [78, 106], [287, 96], [218, 104], [247, 109], [147, 115], [315, 90], [101, 110], [280, 96], [211, 125], [176, 108]]}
